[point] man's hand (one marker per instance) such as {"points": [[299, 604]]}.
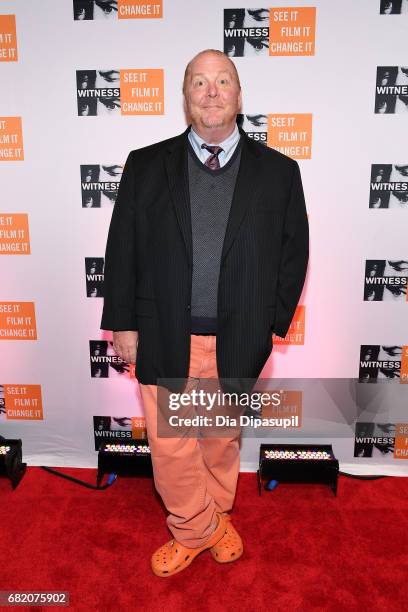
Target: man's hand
{"points": [[125, 345]]}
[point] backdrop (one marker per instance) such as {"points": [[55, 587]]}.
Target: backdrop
{"points": [[82, 84]]}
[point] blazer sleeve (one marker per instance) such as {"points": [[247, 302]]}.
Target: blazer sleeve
{"points": [[294, 257], [119, 313]]}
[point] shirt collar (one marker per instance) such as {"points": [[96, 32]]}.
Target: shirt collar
{"points": [[227, 145]]}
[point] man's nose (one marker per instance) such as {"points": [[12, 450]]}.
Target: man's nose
{"points": [[212, 90]]}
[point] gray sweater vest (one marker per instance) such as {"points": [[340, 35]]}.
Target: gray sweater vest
{"points": [[211, 193]]}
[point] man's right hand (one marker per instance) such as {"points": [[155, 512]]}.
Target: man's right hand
{"points": [[125, 345]]}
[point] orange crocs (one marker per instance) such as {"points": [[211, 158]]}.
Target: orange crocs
{"points": [[230, 547], [173, 557]]}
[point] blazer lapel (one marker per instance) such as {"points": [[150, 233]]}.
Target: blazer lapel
{"points": [[177, 172], [246, 191]]}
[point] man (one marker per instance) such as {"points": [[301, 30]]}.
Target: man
{"points": [[206, 258]]}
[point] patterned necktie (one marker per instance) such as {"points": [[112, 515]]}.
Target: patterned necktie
{"points": [[212, 162]]}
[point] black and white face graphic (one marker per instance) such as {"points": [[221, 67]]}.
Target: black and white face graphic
{"points": [[389, 186], [386, 280], [95, 9], [255, 125], [94, 269], [375, 440], [98, 92], [394, 7], [391, 94], [115, 430], [246, 32], [100, 185], [380, 362], [105, 363]]}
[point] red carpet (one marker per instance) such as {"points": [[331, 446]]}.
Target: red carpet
{"points": [[304, 548]]}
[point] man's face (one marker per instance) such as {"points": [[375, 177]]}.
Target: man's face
{"points": [[213, 97]]}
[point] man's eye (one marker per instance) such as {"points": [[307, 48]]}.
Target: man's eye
{"points": [[258, 43], [391, 374], [107, 6], [110, 104]]}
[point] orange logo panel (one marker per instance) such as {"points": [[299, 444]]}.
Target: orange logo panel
{"points": [[401, 441], [17, 321], [290, 406], [404, 365], [140, 9], [23, 402], [292, 30], [139, 428], [142, 92], [11, 139], [14, 235], [291, 134], [8, 38], [296, 332]]}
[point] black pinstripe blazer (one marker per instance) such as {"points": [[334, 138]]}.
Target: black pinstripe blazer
{"points": [[148, 261]]}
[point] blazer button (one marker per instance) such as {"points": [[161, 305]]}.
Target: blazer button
{"points": [[189, 307]]}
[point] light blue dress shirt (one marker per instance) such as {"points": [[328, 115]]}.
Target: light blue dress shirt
{"points": [[228, 145]]}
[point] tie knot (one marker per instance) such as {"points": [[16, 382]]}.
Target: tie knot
{"points": [[214, 149], [212, 162]]}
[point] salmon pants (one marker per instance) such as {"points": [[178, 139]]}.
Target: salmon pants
{"points": [[195, 476]]}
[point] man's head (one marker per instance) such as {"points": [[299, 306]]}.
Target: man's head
{"points": [[212, 94]]}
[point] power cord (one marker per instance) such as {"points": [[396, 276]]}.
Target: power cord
{"points": [[362, 477], [110, 481]]}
